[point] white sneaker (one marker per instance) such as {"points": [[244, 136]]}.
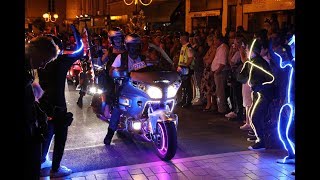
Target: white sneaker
{"points": [[196, 102], [46, 164], [231, 115], [62, 171], [78, 88], [245, 127]]}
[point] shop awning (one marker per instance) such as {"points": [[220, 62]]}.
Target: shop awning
{"points": [[160, 11]]}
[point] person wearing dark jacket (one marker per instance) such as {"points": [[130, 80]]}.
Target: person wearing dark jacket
{"points": [[257, 73], [53, 102], [116, 38], [38, 52], [132, 60]]}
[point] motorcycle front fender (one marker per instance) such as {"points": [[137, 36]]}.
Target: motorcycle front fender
{"points": [[161, 116]]}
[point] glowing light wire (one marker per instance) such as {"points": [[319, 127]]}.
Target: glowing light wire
{"points": [[76, 51], [80, 48], [254, 65], [292, 40], [292, 146], [253, 107], [289, 103], [251, 110]]}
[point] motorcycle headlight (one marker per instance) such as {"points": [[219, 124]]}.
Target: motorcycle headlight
{"points": [[94, 90], [99, 91], [154, 92], [173, 89]]}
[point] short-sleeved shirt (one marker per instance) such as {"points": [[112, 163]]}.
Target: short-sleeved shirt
{"points": [[220, 57], [131, 62]]}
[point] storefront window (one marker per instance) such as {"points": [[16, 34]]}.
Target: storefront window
{"points": [[207, 22], [260, 20]]}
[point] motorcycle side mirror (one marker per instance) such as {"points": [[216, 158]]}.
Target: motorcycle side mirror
{"points": [[184, 70]]}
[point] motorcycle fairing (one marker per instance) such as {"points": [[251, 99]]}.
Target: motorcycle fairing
{"points": [[153, 78]]}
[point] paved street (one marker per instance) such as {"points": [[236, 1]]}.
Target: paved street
{"points": [[243, 165], [200, 136]]}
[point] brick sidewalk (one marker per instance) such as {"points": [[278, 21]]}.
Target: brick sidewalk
{"points": [[237, 165]]}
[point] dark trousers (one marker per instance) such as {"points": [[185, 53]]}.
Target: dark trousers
{"points": [[259, 113], [115, 118], [236, 99], [31, 153], [186, 88], [60, 130]]}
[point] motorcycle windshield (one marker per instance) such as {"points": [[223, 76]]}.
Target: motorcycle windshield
{"points": [[155, 77]]}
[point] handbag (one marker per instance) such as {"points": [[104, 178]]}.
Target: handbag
{"points": [[244, 76]]}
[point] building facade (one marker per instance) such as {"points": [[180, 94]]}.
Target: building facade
{"points": [[223, 14], [95, 14], [257, 12], [199, 14]]}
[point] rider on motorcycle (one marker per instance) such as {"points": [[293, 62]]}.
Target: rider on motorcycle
{"points": [[116, 38], [132, 60]]}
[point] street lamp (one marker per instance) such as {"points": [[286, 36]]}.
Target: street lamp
{"points": [[48, 17], [83, 18], [136, 2]]}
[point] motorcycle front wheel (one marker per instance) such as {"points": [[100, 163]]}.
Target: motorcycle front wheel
{"points": [[165, 140]]}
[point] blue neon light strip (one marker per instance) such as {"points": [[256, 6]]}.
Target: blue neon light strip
{"points": [[78, 50], [289, 103]]}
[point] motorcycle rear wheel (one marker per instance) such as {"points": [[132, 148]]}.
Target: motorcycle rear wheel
{"points": [[165, 142]]}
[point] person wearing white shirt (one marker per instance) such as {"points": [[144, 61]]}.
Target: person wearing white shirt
{"points": [[130, 61], [219, 68]]}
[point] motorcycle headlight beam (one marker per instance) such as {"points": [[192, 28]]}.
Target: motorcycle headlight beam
{"points": [[172, 91], [99, 91], [136, 125], [94, 90], [154, 92]]}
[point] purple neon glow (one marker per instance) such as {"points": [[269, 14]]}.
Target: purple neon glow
{"points": [[163, 149]]}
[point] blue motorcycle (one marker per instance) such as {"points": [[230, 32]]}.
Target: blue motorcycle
{"points": [[147, 100]]}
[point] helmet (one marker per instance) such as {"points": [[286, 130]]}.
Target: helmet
{"points": [[133, 44], [116, 37], [132, 38]]}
